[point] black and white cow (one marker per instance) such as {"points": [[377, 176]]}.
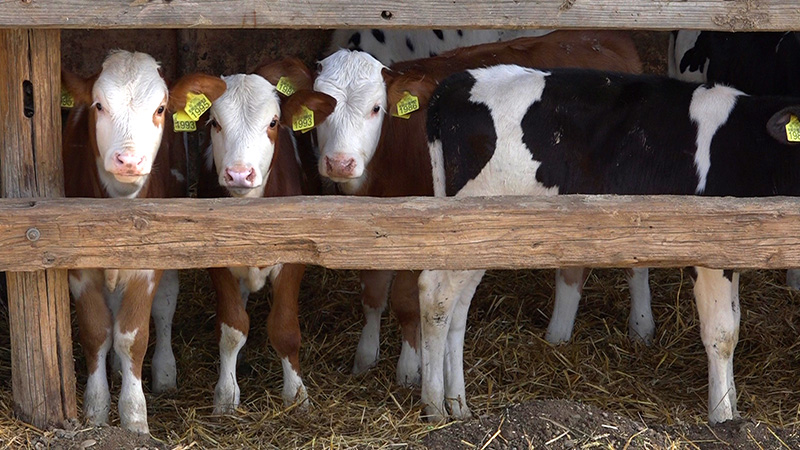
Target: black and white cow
{"points": [[491, 132], [755, 63], [391, 46]]}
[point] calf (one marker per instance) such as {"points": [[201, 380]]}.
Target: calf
{"points": [[491, 132], [118, 142], [366, 152], [391, 46], [756, 63], [253, 155]]}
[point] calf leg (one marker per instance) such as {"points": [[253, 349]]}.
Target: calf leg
{"points": [[793, 278], [569, 284], [94, 325], [131, 331], [405, 305], [440, 291], [233, 324], [455, 389], [164, 371], [641, 325], [717, 296], [283, 328], [374, 294]]}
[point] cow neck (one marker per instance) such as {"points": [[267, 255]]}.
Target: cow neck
{"points": [[401, 165]]}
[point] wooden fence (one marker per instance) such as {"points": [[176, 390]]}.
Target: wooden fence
{"points": [[41, 238]]}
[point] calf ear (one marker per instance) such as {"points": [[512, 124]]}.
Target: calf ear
{"points": [[784, 126], [322, 105], [196, 83], [417, 84], [293, 69], [79, 88]]}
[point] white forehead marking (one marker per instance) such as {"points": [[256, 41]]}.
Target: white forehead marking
{"points": [[353, 78], [249, 102], [709, 109], [129, 83]]}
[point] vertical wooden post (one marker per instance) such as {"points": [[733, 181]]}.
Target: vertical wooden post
{"points": [[42, 369]]}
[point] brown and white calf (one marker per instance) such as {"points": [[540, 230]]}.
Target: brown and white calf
{"points": [[253, 155], [366, 151], [118, 143]]}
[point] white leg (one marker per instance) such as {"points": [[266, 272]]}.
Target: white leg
{"points": [[96, 398], [164, 371], [718, 307], [294, 391], [408, 366], [226, 393], [641, 325], [374, 297], [440, 291], [793, 278], [569, 283], [132, 404], [455, 389]]}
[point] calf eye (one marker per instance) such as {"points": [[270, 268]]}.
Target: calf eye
{"points": [[98, 106], [160, 110], [376, 109], [274, 123], [213, 122]]}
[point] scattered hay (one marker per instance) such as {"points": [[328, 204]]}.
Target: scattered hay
{"points": [[507, 362]]}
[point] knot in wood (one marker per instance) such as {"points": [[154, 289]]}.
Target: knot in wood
{"points": [[48, 259], [33, 234], [140, 223]]}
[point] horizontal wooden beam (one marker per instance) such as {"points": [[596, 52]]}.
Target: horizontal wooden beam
{"points": [[410, 233], [731, 15]]}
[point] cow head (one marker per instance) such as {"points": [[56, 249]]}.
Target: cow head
{"points": [[244, 122], [348, 137], [127, 104]]}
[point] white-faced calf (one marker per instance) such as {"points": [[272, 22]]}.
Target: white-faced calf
{"points": [[491, 132], [252, 154], [118, 142], [367, 151]]}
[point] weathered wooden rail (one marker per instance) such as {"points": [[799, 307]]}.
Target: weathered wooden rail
{"points": [[402, 233], [40, 238]]}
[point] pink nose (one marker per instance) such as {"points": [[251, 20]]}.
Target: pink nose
{"points": [[240, 176], [340, 166], [128, 163]]}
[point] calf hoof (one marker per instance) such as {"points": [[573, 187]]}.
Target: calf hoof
{"points": [[459, 409], [643, 334], [364, 362], [408, 367], [299, 402], [226, 399], [557, 337], [164, 382], [793, 278], [137, 426], [96, 407], [433, 414]]}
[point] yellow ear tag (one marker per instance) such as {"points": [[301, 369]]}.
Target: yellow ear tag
{"points": [[793, 129], [406, 105], [182, 122], [285, 87], [196, 105], [304, 120], [67, 100]]}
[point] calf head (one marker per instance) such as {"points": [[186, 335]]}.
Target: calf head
{"points": [[349, 136], [127, 104], [244, 122]]}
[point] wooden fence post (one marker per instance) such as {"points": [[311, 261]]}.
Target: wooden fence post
{"points": [[43, 375]]}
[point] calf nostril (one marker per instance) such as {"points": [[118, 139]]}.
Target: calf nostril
{"points": [[228, 176], [328, 164], [351, 164], [251, 176]]}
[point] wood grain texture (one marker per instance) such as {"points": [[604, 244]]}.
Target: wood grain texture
{"points": [[43, 378], [410, 233], [733, 15]]}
